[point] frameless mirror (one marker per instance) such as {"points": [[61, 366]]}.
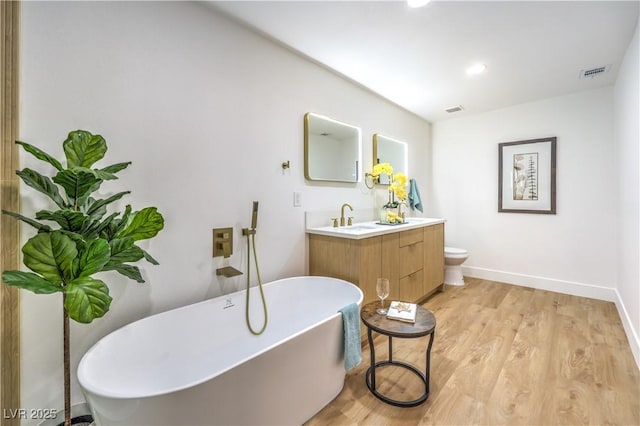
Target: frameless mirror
{"points": [[392, 151], [332, 149]]}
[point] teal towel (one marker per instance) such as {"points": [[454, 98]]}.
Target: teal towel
{"points": [[414, 196], [351, 326]]}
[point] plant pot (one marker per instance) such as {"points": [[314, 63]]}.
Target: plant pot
{"points": [[85, 420], [80, 416]]}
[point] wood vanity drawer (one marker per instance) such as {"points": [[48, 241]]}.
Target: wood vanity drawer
{"points": [[410, 237], [411, 258], [411, 287]]}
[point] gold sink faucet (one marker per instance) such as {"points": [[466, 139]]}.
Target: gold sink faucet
{"points": [[342, 212]]}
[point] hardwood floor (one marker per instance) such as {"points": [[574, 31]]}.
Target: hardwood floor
{"points": [[504, 354]]}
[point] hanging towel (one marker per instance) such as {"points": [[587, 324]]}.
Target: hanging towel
{"points": [[414, 196], [352, 345]]}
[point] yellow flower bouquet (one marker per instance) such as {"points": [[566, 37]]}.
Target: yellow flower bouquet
{"points": [[397, 192], [382, 168]]}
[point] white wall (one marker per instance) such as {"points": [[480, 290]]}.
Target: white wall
{"points": [[627, 142], [207, 111], [572, 251]]}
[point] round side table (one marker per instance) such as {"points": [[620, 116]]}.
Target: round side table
{"points": [[425, 325]]}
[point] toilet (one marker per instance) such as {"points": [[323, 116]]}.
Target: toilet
{"points": [[453, 259]]}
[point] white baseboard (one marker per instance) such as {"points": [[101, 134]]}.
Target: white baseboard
{"points": [[541, 283], [565, 287], [632, 335]]}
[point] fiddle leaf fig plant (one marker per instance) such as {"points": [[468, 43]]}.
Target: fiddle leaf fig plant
{"points": [[84, 241], [79, 238]]}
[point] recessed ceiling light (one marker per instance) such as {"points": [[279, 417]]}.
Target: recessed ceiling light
{"points": [[476, 69], [417, 3]]}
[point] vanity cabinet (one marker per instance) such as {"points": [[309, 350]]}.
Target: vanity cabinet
{"points": [[356, 261], [413, 260]]}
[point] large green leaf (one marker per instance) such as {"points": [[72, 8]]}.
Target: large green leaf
{"points": [[69, 220], [97, 212], [149, 258], [40, 155], [82, 203], [86, 299], [42, 184], [39, 226], [96, 205], [77, 182], [144, 224], [100, 174], [119, 224], [83, 149], [128, 271], [93, 228], [123, 250], [30, 281], [75, 237], [115, 168], [51, 255], [93, 257]]}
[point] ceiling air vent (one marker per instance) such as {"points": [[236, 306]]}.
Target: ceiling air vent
{"points": [[594, 72], [454, 109]]}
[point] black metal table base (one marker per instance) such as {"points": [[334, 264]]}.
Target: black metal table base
{"points": [[370, 376], [396, 402]]}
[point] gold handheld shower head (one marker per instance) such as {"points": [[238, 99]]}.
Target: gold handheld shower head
{"points": [[254, 215]]}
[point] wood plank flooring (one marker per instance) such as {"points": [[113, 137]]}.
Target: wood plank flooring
{"points": [[504, 355]]}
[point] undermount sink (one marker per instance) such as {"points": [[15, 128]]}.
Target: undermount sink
{"points": [[359, 227], [353, 229], [372, 229]]}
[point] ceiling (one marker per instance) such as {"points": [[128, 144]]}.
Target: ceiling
{"points": [[417, 58]]}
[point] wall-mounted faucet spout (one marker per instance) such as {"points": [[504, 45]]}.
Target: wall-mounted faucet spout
{"points": [[342, 212], [228, 271]]}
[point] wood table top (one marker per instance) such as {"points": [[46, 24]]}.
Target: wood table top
{"points": [[425, 322]]}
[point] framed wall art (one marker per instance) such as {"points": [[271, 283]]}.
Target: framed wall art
{"points": [[527, 176]]}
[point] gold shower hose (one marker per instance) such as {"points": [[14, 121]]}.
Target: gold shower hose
{"points": [[251, 238]]}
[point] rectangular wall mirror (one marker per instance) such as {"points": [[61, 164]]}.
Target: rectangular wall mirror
{"points": [[332, 149], [392, 151]]}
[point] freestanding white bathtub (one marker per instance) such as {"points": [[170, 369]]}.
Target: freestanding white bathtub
{"points": [[199, 365]]}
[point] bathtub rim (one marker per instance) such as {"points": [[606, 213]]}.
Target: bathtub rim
{"points": [[112, 395]]}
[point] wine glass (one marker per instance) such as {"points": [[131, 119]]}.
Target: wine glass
{"points": [[382, 288]]}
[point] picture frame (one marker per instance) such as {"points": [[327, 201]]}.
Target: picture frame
{"points": [[527, 176]]}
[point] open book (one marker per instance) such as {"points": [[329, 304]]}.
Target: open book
{"points": [[402, 311]]}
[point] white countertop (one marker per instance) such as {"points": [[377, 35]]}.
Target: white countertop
{"points": [[361, 230]]}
